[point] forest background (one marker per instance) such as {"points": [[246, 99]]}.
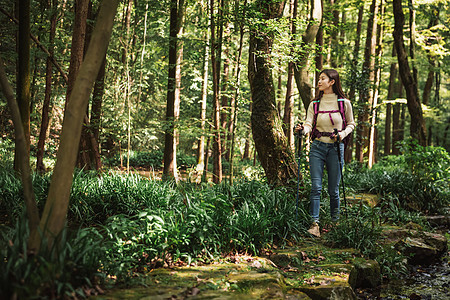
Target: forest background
{"points": [[145, 92], [211, 90]]}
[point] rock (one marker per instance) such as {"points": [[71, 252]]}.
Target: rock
{"points": [[439, 221], [368, 274], [420, 247], [330, 292], [417, 251]]}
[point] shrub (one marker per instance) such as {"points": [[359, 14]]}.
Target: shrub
{"points": [[71, 265]]}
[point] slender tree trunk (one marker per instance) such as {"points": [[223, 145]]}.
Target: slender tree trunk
{"points": [[377, 72], [23, 75], [334, 36], [319, 56], [393, 76], [235, 98], [246, 154], [368, 77], [354, 73], [418, 129], [56, 207], [434, 18], [301, 69], [89, 155], [215, 62], [40, 167], [173, 91], [288, 118], [271, 144], [21, 151], [201, 142]]}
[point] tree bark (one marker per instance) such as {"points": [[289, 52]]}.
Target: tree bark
{"points": [[288, 117], [235, 98], [201, 142], [301, 69], [393, 76], [377, 77], [173, 90], [23, 74], [40, 167], [271, 144], [55, 210], [354, 72], [89, 152], [366, 92], [215, 62], [21, 152], [418, 129]]}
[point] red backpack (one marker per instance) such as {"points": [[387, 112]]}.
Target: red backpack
{"points": [[316, 133]]}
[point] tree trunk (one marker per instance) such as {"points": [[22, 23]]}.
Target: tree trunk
{"points": [[173, 89], [21, 152], [78, 39], [288, 118], [333, 60], [215, 62], [418, 129], [201, 142], [301, 69], [55, 210], [246, 154], [23, 74], [89, 155], [319, 56], [271, 144], [377, 71], [366, 92], [354, 72], [235, 98], [393, 76], [40, 167], [434, 18]]}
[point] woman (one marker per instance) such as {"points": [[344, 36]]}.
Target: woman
{"points": [[321, 120]]}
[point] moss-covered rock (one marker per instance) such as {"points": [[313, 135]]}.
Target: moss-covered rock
{"points": [[368, 273]]}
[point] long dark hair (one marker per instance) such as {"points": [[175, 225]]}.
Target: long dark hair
{"points": [[337, 88]]}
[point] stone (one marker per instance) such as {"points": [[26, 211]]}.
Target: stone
{"points": [[330, 292], [421, 247], [368, 274], [439, 221]]}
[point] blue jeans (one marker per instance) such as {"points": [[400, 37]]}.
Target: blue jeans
{"points": [[322, 154]]}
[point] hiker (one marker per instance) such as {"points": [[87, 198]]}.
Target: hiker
{"points": [[328, 111]]}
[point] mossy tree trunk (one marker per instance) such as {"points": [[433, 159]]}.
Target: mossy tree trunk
{"points": [[271, 143]]}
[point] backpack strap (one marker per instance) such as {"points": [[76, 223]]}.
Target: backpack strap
{"points": [[316, 103], [341, 104]]}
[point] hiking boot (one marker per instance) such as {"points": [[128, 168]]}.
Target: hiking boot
{"points": [[314, 230]]}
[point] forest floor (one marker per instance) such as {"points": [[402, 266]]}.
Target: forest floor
{"points": [[309, 270]]}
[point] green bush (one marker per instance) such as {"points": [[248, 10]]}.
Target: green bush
{"points": [[358, 229], [72, 264], [153, 159], [417, 180]]}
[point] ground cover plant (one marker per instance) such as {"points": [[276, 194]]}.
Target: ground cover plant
{"points": [[122, 225]]}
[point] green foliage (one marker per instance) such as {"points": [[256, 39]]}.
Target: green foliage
{"points": [[430, 163], [72, 264], [153, 159], [200, 224], [358, 229], [391, 261], [416, 180]]}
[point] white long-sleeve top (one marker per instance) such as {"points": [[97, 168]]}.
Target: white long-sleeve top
{"points": [[329, 102]]}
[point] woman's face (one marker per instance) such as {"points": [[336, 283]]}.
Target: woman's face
{"points": [[325, 84]]}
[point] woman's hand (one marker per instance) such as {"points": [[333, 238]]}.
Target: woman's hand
{"points": [[298, 128], [337, 136]]}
